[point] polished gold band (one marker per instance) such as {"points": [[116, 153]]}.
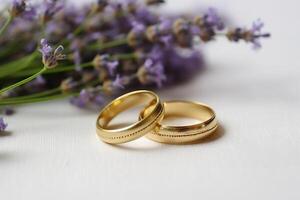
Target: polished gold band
{"points": [[183, 134], [143, 126]]}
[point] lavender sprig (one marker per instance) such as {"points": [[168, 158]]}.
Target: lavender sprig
{"points": [[110, 46], [50, 56], [50, 59], [252, 35]]}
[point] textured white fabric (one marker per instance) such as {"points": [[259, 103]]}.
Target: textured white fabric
{"points": [[53, 151]]}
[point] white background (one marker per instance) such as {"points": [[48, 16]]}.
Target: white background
{"points": [[53, 151]]}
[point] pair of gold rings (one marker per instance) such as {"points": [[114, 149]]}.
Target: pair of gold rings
{"points": [[150, 118]]}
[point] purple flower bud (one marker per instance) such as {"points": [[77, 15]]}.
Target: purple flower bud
{"points": [[82, 100], [152, 72], [252, 35], [8, 111], [118, 82], [213, 19], [51, 7], [257, 25], [255, 34], [35, 85], [112, 66], [138, 27], [87, 98], [3, 125], [76, 101], [165, 25], [98, 100], [136, 35], [156, 54], [145, 16], [18, 7], [85, 95], [30, 13], [76, 46], [166, 40], [50, 58], [77, 60], [104, 61]]}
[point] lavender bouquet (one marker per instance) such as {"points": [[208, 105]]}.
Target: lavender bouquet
{"points": [[54, 50]]}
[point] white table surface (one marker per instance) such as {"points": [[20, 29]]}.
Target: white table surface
{"points": [[53, 151]]}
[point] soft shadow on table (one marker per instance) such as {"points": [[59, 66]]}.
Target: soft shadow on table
{"points": [[131, 146], [9, 157]]}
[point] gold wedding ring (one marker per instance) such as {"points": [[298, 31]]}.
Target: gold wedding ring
{"points": [[187, 133], [149, 121]]}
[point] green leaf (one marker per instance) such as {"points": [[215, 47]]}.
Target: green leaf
{"points": [[17, 65]]}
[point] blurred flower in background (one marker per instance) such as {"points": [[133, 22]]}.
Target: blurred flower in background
{"points": [[102, 49]]}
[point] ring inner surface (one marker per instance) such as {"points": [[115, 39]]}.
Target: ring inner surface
{"points": [[187, 110], [182, 109], [122, 104]]}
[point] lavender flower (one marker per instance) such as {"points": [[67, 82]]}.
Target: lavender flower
{"points": [[8, 111], [120, 82], [104, 61], [136, 36], [112, 66], [36, 85], [87, 98], [51, 7], [20, 8], [77, 60], [161, 33], [50, 57], [183, 32], [3, 125], [212, 19], [39, 81], [152, 49], [101, 5], [183, 64], [76, 47], [143, 15], [256, 33], [207, 25], [68, 84], [252, 35], [152, 72], [257, 25]]}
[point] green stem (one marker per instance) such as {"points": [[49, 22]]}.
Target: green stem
{"points": [[71, 67], [111, 44], [40, 94], [34, 100], [68, 68], [7, 68], [55, 70], [23, 81], [7, 22], [17, 65]]}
